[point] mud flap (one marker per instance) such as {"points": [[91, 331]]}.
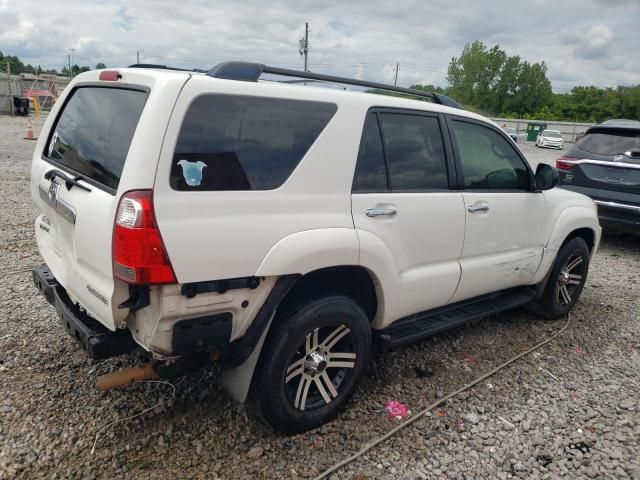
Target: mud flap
{"points": [[236, 381]]}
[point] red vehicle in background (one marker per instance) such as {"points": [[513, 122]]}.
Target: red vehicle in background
{"points": [[42, 87]]}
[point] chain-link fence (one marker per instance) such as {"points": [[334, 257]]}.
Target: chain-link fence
{"points": [[569, 130], [43, 87]]}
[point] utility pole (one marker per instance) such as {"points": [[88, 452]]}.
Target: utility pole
{"points": [[69, 59], [9, 84], [395, 82], [304, 46], [137, 56], [70, 62]]}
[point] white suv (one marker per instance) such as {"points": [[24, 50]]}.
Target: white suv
{"points": [[283, 229]]}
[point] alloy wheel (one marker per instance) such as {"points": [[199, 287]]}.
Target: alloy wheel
{"points": [[319, 367], [570, 278]]}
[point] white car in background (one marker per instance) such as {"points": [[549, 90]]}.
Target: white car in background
{"points": [[550, 138]]}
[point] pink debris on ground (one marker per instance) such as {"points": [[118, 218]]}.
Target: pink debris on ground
{"points": [[396, 409]]}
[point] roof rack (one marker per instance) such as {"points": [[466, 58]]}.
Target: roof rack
{"points": [[251, 72], [165, 67]]}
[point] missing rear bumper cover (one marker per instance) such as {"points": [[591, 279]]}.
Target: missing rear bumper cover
{"points": [[203, 334], [190, 290]]}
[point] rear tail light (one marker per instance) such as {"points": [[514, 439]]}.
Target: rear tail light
{"points": [[565, 163], [139, 256]]}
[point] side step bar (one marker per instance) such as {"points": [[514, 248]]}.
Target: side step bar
{"points": [[426, 324]]}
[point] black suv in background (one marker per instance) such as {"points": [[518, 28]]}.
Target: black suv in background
{"points": [[605, 165]]}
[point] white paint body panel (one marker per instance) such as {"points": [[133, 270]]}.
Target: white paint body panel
{"points": [[503, 245], [424, 239]]}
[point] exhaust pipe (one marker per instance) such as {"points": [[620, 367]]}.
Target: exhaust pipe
{"points": [[167, 369], [126, 376]]}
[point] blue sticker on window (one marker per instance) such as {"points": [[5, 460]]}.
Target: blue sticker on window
{"points": [[192, 172]]}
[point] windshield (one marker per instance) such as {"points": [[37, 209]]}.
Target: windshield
{"points": [[611, 143], [551, 134], [94, 131]]}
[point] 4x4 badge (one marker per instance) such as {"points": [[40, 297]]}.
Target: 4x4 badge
{"points": [[53, 191], [618, 158]]}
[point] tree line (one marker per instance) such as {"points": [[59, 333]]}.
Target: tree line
{"points": [[489, 81], [17, 67]]}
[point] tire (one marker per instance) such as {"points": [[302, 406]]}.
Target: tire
{"points": [[298, 386], [566, 281]]}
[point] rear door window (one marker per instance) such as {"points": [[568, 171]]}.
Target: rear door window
{"points": [[93, 133], [371, 173], [233, 142], [415, 152]]}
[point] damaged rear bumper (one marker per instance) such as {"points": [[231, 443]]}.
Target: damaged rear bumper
{"points": [[98, 341]]}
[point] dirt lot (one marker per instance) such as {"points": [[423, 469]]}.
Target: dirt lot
{"points": [[569, 410]]}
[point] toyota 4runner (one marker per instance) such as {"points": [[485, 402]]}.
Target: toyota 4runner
{"points": [[284, 229]]}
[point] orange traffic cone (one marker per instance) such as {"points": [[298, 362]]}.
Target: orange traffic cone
{"points": [[30, 135]]}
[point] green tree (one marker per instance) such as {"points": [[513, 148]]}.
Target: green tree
{"points": [[100, 65], [76, 70], [491, 80]]}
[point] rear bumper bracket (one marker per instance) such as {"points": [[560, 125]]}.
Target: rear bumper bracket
{"points": [[98, 341]]}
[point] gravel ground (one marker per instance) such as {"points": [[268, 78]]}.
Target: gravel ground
{"points": [[570, 410]]}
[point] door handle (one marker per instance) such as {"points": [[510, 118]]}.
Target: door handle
{"points": [[381, 212], [478, 207]]}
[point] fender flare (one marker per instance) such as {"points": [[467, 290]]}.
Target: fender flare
{"points": [[573, 218], [331, 247], [376, 257]]}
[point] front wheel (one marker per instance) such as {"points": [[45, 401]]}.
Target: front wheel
{"points": [[566, 281], [312, 363]]}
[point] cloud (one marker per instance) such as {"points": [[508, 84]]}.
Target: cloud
{"points": [[595, 43], [580, 40]]}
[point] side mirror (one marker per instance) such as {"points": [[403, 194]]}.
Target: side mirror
{"points": [[546, 177]]}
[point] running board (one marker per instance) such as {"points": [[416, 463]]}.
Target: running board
{"points": [[421, 325]]}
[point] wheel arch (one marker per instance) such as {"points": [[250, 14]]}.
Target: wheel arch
{"points": [[353, 281], [577, 221], [587, 234]]}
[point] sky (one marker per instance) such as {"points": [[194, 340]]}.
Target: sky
{"points": [[583, 42]]}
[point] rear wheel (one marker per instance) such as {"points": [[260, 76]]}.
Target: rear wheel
{"points": [[566, 281], [312, 363]]}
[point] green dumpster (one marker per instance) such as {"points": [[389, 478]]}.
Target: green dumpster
{"points": [[533, 129]]}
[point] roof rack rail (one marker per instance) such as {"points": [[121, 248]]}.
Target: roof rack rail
{"points": [[165, 67], [251, 72]]}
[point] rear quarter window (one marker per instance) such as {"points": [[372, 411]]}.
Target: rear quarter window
{"points": [[230, 142], [93, 133]]}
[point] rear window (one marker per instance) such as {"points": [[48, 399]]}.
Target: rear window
{"points": [[230, 142], [94, 131], [610, 143], [551, 134]]}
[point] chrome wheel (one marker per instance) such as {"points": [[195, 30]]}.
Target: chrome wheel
{"points": [[570, 278], [319, 367]]}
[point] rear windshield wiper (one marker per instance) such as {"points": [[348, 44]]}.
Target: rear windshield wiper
{"points": [[69, 182]]}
